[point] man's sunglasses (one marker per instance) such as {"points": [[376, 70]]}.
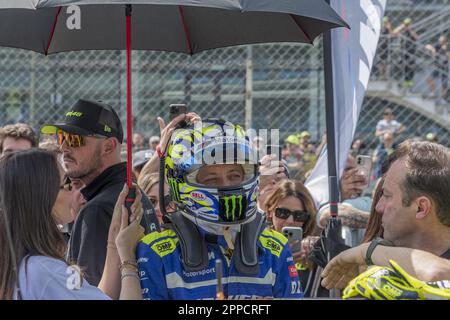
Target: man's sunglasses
{"points": [[73, 140], [299, 216]]}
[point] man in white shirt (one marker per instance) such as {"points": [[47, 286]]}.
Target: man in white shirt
{"points": [[388, 125]]}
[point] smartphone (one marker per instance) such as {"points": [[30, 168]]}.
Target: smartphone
{"points": [[364, 166], [176, 110], [274, 149], [294, 234]]}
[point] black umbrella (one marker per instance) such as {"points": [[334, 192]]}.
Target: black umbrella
{"points": [[187, 26]]}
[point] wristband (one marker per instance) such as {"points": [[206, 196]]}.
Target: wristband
{"points": [[375, 242]]}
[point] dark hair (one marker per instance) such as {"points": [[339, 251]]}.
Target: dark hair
{"points": [[374, 228], [29, 186], [18, 131], [428, 174]]}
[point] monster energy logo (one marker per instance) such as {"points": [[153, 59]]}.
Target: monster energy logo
{"points": [[174, 187], [231, 204]]}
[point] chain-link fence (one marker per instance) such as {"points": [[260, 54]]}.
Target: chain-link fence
{"points": [[276, 86]]}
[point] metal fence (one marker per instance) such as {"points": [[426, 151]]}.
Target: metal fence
{"points": [[276, 86]]}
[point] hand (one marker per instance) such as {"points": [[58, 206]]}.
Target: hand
{"points": [[167, 130], [130, 232], [307, 246], [344, 267], [271, 171], [352, 184], [118, 215]]}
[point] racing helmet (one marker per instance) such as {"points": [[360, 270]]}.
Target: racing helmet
{"points": [[213, 142]]}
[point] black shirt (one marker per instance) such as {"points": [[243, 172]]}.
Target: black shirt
{"points": [[88, 241]]}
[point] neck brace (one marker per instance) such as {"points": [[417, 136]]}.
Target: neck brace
{"points": [[194, 250]]}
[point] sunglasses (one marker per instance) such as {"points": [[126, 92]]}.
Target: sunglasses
{"points": [[73, 140], [387, 114], [67, 185], [299, 216]]}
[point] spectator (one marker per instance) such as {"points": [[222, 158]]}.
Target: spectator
{"points": [[308, 151], [414, 205], [90, 138], [388, 125], [291, 205], [16, 137], [383, 150], [374, 228], [441, 55], [384, 47], [138, 142], [149, 183], [355, 207], [218, 219], [140, 158], [32, 264], [409, 47], [292, 154], [153, 142], [358, 147]]}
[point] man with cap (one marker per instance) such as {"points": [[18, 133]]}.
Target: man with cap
{"points": [[90, 137]]}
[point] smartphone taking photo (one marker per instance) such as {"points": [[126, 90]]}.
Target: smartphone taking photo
{"points": [[294, 236], [364, 166]]}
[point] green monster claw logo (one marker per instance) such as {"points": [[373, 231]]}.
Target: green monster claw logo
{"points": [[174, 187], [231, 203]]}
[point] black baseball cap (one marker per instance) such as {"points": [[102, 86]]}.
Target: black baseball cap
{"points": [[89, 118]]}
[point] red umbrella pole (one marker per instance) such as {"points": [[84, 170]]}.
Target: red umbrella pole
{"points": [[129, 101]]}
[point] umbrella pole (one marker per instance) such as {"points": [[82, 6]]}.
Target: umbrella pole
{"points": [[331, 142], [129, 96]]}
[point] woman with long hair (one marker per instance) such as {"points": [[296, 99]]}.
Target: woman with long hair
{"points": [[32, 246], [291, 205]]}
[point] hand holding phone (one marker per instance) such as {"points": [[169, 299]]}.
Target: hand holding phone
{"points": [[364, 166], [295, 237], [175, 111]]}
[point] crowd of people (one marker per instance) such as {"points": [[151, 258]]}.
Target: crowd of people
{"points": [[437, 54], [204, 200]]}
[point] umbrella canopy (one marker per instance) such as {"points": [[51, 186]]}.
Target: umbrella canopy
{"points": [[187, 26]]}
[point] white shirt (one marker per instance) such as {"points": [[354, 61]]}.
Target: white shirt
{"points": [[45, 278]]}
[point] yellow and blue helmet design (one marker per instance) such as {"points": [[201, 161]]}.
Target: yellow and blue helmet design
{"points": [[212, 142]]}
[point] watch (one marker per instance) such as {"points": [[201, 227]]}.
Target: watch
{"points": [[375, 242]]}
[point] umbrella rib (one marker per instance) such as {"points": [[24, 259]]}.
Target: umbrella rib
{"points": [[53, 31], [186, 31], [301, 29]]}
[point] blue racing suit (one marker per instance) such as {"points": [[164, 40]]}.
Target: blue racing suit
{"points": [[163, 276]]}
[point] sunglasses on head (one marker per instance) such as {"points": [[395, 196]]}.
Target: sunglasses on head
{"points": [[73, 140], [299, 216]]}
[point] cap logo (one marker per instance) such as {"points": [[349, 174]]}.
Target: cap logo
{"points": [[74, 114], [107, 129]]}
